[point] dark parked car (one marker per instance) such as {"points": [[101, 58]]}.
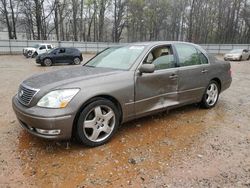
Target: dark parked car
{"points": [[60, 55], [118, 85]]}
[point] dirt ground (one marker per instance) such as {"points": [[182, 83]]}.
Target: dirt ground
{"points": [[189, 147]]}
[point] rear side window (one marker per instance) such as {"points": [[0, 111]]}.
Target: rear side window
{"points": [[49, 47], [188, 55], [203, 58]]}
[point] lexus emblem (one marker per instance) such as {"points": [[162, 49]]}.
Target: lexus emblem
{"points": [[21, 93]]}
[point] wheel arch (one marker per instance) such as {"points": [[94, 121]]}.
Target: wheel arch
{"points": [[92, 99], [218, 81]]}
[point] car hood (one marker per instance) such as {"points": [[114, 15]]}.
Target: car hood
{"points": [[30, 48], [67, 75]]}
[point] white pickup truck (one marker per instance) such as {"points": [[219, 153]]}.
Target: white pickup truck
{"points": [[36, 50]]}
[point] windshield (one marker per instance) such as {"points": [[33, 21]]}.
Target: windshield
{"points": [[236, 51], [117, 57], [36, 46]]}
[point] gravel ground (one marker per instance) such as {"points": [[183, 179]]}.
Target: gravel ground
{"points": [[188, 147]]}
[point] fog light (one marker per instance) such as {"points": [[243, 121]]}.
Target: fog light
{"points": [[49, 132]]}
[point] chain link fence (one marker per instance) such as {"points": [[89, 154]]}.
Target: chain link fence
{"points": [[9, 47]]}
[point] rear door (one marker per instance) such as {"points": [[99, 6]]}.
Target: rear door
{"points": [[192, 72], [155, 91]]}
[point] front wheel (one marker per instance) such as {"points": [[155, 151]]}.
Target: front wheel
{"points": [[97, 123], [211, 95], [29, 54], [34, 55], [47, 62]]}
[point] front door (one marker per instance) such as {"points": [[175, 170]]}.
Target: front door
{"points": [[60, 56], [42, 49], [158, 90]]}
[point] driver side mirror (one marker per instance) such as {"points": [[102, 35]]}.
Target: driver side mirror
{"points": [[147, 68]]}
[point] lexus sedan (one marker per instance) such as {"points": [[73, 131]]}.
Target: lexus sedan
{"points": [[60, 55], [237, 55], [118, 85]]}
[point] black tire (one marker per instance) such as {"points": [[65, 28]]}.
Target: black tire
{"points": [[240, 58], [29, 54], [205, 102], [248, 58], [76, 61], [47, 62], [81, 131], [34, 55]]}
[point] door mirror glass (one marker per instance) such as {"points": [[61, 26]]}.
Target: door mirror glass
{"points": [[147, 68]]}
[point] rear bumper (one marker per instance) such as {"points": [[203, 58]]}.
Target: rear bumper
{"points": [[226, 85], [34, 123]]}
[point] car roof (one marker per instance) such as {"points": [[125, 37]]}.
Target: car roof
{"points": [[151, 44]]}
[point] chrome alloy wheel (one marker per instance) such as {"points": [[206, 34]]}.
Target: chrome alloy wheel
{"points": [[99, 123], [212, 94]]}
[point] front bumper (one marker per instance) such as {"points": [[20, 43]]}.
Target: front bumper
{"points": [[34, 123], [38, 61], [232, 58]]}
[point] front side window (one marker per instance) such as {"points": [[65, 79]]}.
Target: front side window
{"points": [[187, 54], [61, 50], [117, 57], [162, 57], [42, 47]]}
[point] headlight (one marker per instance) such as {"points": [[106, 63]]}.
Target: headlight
{"points": [[57, 98]]}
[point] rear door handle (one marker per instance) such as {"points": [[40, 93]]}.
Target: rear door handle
{"points": [[204, 71], [173, 76]]}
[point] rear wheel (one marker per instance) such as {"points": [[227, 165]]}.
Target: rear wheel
{"points": [[211, 95], [97, 123], [47, 62], [76, 61]]}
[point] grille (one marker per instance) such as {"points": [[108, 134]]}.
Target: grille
{"points": [[25, 94]]}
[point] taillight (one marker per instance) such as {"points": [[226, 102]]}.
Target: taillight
{"points": [[230, 72]]}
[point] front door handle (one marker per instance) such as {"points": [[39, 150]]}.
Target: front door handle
{"points": [[173, 76], [204, 71]]}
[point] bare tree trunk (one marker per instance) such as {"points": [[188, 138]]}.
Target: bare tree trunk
{"points": [[6, 14], [74, 9]]}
